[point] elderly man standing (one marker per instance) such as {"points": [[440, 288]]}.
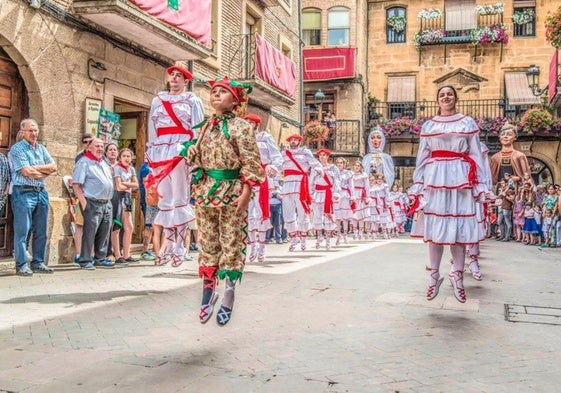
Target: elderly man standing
{"points": [[93, 184], [30, 165]]}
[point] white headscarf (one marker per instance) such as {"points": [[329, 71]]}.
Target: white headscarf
{"points": [[387, 167]]}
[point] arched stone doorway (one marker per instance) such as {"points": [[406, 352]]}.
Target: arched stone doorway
{"points": [[13, 108], [540, 172]]}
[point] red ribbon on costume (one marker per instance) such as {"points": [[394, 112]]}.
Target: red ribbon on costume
{"points": [[169, 109], [264, 196], [167, 165], [89, 155], [472, 175], [362, 192], [376, 205], [346, 189], [414, 206], [328, 188], [305, 197]]}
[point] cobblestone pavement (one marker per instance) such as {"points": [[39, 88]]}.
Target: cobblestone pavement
{"points": [[353, 319]]}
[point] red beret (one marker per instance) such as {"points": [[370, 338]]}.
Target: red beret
{"points": [[294, 136], [183, 70], [324, 151], [253, 117]]}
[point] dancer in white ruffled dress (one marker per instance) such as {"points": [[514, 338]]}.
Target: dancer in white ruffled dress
{"points": [[446, 189], [172, 116], [343, 211], [258, 217], [359, 199], [399, 208]]}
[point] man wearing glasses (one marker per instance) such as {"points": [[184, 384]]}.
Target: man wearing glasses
{"points": [[30, 164], [86, 140]]}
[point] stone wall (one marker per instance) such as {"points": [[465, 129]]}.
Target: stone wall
{"points": [[402, 58]]}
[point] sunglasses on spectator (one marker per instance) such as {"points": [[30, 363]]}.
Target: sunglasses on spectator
{"points": [[87, 141]]}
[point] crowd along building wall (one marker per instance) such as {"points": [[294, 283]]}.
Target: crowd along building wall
{"points": [[62, 55]]}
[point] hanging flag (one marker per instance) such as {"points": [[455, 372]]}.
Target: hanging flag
{"points": [[274, 68], [329, 63]]}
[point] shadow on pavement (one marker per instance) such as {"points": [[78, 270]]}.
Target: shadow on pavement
{"points": [[77, 298]]}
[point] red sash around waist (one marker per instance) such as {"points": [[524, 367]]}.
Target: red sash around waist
{"points": [[362, 192], [472, 175], [305, 197], [328, 188], [173, 130]]}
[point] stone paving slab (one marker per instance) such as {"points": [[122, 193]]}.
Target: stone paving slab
{"points": [[351, 320]]}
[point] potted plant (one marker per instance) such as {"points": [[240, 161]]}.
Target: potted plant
{"points": [[490, 9], [428, 37], [553, 28], [488, 34], [523, 17], [536, 120], [397, 23], [315, 131], [429, 13]]}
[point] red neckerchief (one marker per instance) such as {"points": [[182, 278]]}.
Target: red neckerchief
{"points": [[125, 167], [89, 155]]}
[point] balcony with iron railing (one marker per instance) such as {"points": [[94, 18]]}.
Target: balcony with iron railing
{"points": [[403, 120], [475, 28]]}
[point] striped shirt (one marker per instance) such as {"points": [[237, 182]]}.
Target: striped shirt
{"points": [[4, 179], [22, 155]]}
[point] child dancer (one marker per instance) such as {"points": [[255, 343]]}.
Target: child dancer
{"points": [[397, 209], [229, 165], [343, 211], [381, 190], [359, 199], [372, 219], [325, 190]]}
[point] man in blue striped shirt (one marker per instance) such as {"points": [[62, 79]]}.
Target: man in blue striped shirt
{"points": [[30, 164]]}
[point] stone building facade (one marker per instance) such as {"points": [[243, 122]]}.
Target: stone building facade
{"points": [[334, 32], [55, 58], [490, 78]]}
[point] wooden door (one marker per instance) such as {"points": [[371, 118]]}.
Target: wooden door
{"points": [[13, 108]]}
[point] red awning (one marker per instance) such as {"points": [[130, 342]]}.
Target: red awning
{"points": [[274, 68], [190, 16], [329, 63]]}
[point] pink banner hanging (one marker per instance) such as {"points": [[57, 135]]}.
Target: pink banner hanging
{"points": [[190, 16], [274, 68]]}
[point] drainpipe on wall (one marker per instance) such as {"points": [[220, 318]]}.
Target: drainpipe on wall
{"points": [[190, 67], [301, 45]]}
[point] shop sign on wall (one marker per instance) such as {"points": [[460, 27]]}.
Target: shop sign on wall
{"points": [[91, 118]]}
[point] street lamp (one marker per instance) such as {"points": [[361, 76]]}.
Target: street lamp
{"points": [[319, 97], [533, 74]]}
